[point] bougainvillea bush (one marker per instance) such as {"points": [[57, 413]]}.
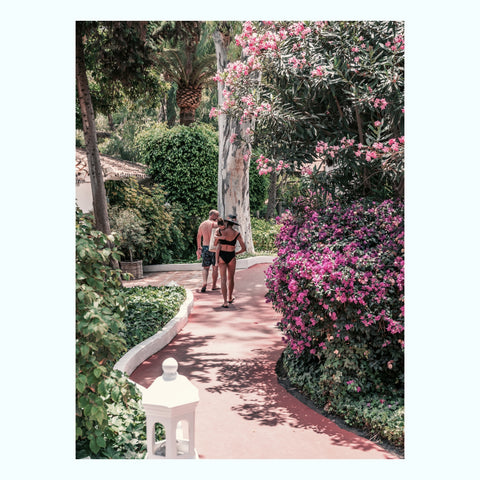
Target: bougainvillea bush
{"points": [[338, 281]]}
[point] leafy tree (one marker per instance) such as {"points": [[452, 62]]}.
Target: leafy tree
{"points": [[330, 93], [119, 60], [121, 55]]}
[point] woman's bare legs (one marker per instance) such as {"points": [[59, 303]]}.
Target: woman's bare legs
{"points": [[231, 278], [223, 280], [227, 284]]}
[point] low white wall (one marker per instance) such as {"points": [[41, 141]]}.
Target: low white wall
{"points": [[181, 267]]}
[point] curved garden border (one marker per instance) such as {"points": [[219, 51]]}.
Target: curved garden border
{"points": [[139, 353], [242, 264]]}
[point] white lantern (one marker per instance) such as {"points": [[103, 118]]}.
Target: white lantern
{"points": [[171, 400]]}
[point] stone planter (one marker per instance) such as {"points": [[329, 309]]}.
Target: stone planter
{"points": [[135, 268]]}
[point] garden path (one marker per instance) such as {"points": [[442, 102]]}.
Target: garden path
{"points": [[230, 356]]}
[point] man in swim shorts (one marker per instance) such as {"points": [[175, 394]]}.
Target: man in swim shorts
{"points": [[208, 258]]}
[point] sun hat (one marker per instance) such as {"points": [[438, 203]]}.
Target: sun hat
{"points": [[231, 219]]}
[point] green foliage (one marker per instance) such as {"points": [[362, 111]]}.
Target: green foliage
{"points": [[129, 118], [264, 233], [101, 393], [149, 309], [163, 221], [209, 100], [381, 415], [258, 185], [131, 230], [119, 58], [184, 160]]}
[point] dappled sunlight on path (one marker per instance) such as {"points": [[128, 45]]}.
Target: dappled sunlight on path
{"points": [[244, 412]]}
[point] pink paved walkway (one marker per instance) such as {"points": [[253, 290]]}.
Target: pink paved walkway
{"points": [[230, 356]]}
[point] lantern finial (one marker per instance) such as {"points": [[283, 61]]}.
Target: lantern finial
{"points": [[169, 366]]}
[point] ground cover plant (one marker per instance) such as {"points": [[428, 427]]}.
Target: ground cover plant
{"points": [[338, 281], [148, 310]]}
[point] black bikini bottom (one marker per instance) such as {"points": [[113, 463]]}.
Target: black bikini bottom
{"points": [[226, 256]]}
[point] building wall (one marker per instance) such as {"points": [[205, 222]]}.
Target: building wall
{"points": [[83, 196]]}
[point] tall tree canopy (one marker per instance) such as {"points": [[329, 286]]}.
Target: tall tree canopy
{"points": [[330, 93], [119, 55]]}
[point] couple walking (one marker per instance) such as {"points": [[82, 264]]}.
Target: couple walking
{"points": [[216, 241]]}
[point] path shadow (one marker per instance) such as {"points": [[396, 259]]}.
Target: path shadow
{"points": [[263, 400], [258, 397], [194, 366]]}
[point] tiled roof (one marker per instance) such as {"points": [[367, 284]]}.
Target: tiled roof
{"points": [[113, 168]]}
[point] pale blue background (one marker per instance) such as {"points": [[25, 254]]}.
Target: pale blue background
{"points": [[37, 206]]}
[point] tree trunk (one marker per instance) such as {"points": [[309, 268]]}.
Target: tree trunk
{"points": [[187, 116], [110, 122], [233, 170], [88, 118]]}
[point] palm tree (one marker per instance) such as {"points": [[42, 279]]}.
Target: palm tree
{"points": [[187, 59]]}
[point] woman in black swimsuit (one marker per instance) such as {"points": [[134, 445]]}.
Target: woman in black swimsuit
{"points": [[227, 258]]}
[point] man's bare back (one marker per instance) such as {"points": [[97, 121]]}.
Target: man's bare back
{"points": [[205, 231]]}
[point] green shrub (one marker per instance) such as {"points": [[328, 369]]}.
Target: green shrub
{"points": [[381, 416], [184, 160], [101, 393], [149, 309], [258, 185], [163, 222], [131, 230], [117, 147], [264, 233]]}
